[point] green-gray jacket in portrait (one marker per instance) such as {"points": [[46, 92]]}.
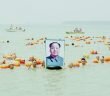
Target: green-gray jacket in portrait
{"points": [[52, 62]]}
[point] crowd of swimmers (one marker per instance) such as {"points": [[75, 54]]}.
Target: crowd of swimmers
{"points": [[33, 62]]}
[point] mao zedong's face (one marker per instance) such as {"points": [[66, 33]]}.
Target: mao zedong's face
{"points": [[54, 50]]}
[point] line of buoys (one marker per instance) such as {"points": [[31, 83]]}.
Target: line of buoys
{"points": [[33, 42], [17, 62]]}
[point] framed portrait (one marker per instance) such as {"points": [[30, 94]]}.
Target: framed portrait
{"points": [[55, 53]]}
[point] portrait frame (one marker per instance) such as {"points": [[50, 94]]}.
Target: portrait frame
{"points": [[61, 52]]}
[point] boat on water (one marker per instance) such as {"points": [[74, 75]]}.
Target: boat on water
{"points": [[75, 31], [15, 29], [71, 32]]}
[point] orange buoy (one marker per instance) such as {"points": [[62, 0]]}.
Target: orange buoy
{"points": [[107, 58], [76, 64], [11, 66], [22, 61], [95, 61], [88, 42], [4, 66], [39, 61], [79, 61], [70, 65], [28, 64], [16, 63], [94, 52]]}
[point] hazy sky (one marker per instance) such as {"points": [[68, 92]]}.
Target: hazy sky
{"points": [[35, 11]]}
